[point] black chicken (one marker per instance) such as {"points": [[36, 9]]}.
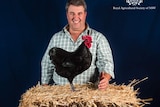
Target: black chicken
{"points": [[71, 64]]}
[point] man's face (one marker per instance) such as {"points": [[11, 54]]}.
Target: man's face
{"points": [[76, 16]]}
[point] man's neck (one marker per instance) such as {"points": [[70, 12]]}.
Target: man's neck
{"points": [[75, 33]]}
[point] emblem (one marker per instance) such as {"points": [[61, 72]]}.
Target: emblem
{"points": [[134, 2]]}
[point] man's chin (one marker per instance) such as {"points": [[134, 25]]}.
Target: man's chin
{"points": [[76, 28]]}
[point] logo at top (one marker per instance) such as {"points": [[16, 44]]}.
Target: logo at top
{"points": [[134, 2]]}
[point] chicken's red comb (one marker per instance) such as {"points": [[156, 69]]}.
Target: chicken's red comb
{"points": [[88, 40]]}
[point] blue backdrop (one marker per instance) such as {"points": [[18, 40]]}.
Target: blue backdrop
{"points": [[26, 27]]}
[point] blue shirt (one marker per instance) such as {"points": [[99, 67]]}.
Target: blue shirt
{"points": [[101, 56]]}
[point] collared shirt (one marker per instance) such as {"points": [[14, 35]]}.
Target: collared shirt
{"points": [[101, 56]]}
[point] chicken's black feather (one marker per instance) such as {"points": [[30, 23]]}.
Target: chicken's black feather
{"points": [[71, 64]]}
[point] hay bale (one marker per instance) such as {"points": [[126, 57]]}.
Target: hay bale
{"points": [[85, 96]]}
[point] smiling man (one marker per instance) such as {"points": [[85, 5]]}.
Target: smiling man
{"points": [[69, 39], [76, 16]]}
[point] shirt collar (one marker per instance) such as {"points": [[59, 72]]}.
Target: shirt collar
{"points": [[87, 31]]}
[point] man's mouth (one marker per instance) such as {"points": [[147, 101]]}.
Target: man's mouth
{"points": [[76, 21]]}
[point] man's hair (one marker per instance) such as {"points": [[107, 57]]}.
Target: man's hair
{"points": [[76, 3]]}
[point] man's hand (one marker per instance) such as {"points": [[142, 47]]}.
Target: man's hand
{"points": [[104, 81]]}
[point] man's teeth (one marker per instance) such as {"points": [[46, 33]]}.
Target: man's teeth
{"points": [[76, 21]]}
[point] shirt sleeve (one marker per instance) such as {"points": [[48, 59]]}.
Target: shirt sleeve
{"points": [[47, 68], [104, 56]]}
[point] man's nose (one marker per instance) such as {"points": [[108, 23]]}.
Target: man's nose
{"points": [[76, 16]]}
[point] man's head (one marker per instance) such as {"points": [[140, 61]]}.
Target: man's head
{"points": [[76, 3], [76, 11]]}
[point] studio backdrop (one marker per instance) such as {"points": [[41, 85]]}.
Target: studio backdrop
{"points": [[132, 28]]}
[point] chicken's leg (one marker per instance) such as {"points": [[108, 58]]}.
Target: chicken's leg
{"points": [[71, 84], [72, 87]]}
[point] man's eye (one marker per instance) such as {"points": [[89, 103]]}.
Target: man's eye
{"points": [[72, 14], [79, 14]]}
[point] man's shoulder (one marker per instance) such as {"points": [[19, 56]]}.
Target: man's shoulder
{"points": [[95, 32], [59, 33]]}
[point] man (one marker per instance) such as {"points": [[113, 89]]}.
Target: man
{"points": [[69, 38]]}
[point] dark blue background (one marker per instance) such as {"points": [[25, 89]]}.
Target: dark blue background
{"points": [[26, 27]]}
